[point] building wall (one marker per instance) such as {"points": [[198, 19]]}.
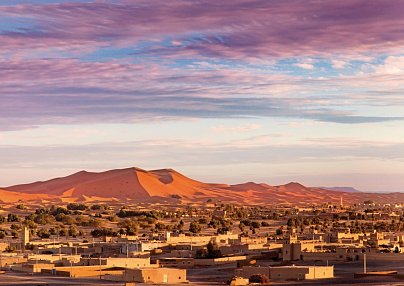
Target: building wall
{"points": [[301, 272], [291, 251], [52, 257], [348, 253], [321, 256], [309, 245], [288, 273], [156, 275], [320, 272], [241, 249], [81, 271], [399, 257], [33, 268], [222, 238], [248, 271], [117, 262], [217, 261], [177, 262], [10, 260]]}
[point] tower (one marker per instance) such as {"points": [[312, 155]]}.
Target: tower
{"points": [[291, 247], [168, 236], [25, 236]]}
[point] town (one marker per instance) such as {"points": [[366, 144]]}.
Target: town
{"points": [[212, 244], [232, 142]]}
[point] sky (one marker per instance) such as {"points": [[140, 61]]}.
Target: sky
{"points": [[223, 91]]}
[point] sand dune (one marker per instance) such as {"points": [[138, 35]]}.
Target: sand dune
{"points": [[166, 184], [13, 197]]}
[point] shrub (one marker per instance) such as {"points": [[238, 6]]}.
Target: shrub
{"points": [[259, 278]]}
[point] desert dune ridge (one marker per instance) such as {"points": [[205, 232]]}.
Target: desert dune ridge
{"points": [[165, 185]]}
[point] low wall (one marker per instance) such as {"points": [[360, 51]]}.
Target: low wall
{"points": [[221, 260], [320, 256], [383, 256], [82, 271], [375, 274]]}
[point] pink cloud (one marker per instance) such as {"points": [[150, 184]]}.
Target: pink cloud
{"points": [[236, 129], [67, 91], [235, 29]]}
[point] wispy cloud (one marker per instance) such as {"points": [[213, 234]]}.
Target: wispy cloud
{"points": [[237, 29], [235, 129], [66, 91], [338, 64], [47, 77]]}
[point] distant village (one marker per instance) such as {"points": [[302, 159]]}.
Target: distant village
{"points": [[215, 243]]}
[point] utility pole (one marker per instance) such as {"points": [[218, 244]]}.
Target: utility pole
{"points": [[364, 263], [100, 267]]}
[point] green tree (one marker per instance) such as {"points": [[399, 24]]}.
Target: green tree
{"points": [[255, 224], [195, 227], [43, 233], [129, 226], [213, 250], [160, 226], [73, 231], [12, 218]]}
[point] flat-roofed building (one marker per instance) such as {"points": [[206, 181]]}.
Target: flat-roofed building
{"points": [[156, 275], [131, 262], [287, 272], [301, 272]]}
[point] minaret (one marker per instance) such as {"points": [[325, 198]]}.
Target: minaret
{"points": [[341, 204], [168, 236], [25, 236]]}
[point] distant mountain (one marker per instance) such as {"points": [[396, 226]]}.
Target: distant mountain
{"points": [[341, 189], [167, 185]]}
